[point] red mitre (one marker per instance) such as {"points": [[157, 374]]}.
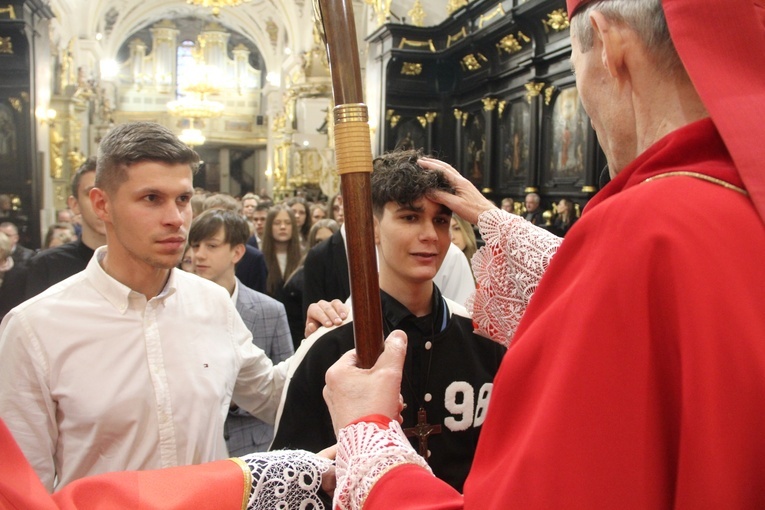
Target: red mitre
{"points": [[722, 46]]}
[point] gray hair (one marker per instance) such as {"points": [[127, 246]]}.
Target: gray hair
{"points": [[645, 17]]}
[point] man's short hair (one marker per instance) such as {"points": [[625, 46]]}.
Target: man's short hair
{"points": [[222, 201], [396, 177], [136, 142], [251, 196], [645, 17], [263, 206], [236, 231], [534, 197], [88, 166]]}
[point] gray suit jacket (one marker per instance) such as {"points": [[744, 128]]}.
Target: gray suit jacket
{"points": [[266, 319]]}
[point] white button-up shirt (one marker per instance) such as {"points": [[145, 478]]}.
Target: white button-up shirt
{"points": [[95, 378]]}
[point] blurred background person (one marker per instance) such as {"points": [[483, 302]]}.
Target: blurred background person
{"points": [[292, 296], [318, 212], [300, 209], [59, 233], [336, 211], [463, 237], [565, 217]]}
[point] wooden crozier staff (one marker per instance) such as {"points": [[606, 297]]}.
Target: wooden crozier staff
{"points": [[353, 154]]}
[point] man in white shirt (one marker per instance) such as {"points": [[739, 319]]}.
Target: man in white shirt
{"points": [[131, 364]]}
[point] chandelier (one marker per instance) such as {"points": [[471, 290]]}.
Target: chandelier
{"points": [[192, 137], [216, 4], [195, 108], [194, 105]]}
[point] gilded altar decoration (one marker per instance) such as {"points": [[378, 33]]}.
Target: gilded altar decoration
{"points": [[423, 121], [273, 32], [511, 44], [76, 158], [557, 20], [389, 113], [411, 69], [215, 5], [8, 9], [489, 103], [6, 46], [417, 44], [485, 18], [471, 61], [461, 116], [15, 103], [431, 116], [548, 94], [56, 154], [454, 5], [501, 107], [456, 37], [533, 90], [394, 120], [417, 14], [381, 8]]}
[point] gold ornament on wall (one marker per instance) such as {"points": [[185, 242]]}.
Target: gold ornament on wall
{"points": [[489, 103], [511, 44], [548, 94], [471, 61], [411, 69], [453, 5], [533, 89], [557, 20], [456, 37], [6, 46], [417, 14]]}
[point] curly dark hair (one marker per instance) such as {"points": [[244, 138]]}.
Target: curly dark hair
{"points": [[396, 177]]}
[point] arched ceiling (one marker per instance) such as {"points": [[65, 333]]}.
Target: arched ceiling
{"points": [[103, 26]]}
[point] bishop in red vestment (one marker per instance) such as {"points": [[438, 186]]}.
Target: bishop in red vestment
{"points": [[636, 376]]}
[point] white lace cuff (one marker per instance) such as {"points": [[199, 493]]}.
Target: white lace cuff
{"points": [[365, 452], [285, 479], [507, 271]]}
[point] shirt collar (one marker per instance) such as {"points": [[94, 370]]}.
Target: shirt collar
{"points": [[235, 294], [397, 316], [119, 294]]}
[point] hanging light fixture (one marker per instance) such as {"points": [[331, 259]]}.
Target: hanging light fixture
{"points": [[192, 137], [195, 108], [216, 5]]}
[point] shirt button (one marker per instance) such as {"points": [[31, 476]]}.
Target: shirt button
{"points": [[428, 345], [428, 397]]}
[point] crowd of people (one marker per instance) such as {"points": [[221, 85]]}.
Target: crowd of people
{"points": [[627, 364]]}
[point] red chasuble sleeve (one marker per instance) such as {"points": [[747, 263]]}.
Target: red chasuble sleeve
{"points": [[214, 486], [637, 376], [411, 487]]}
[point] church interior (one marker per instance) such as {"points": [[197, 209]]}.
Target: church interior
{"points": [[485, 85]]}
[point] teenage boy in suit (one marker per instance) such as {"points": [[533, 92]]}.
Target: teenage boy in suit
{"points": [[217, 239]]}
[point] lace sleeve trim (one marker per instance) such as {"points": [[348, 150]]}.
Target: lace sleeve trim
{"points": [[365, 453], [284, 479], [507, 271]]}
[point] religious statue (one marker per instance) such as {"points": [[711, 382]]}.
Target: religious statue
{"points": [[56, 154]]}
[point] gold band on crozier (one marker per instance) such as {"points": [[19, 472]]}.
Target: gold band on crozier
{"points": [[351, 112], [353, 147]]}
